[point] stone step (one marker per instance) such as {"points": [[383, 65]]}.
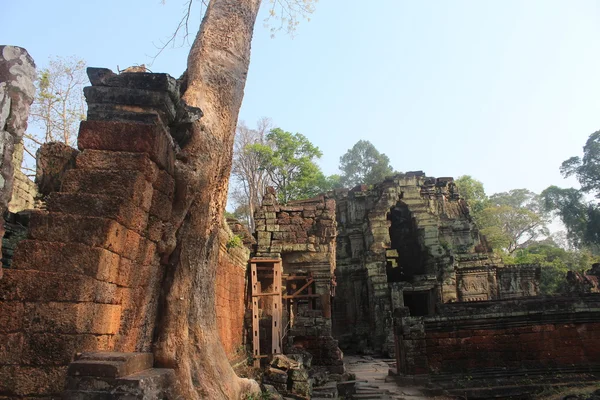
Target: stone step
{"points": [[110, 364], [154, 383]]}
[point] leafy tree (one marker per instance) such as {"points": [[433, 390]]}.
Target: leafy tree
{"points": [[580, 216], [586, 168], [513, 219], [364, 164], [555, 262], [59, 104], [249, 177], [473, 192], [289, 161]]}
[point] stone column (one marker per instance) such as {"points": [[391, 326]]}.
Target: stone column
{"points": [[17, 73]]}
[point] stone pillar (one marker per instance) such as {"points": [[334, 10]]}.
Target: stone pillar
{"points": [[17, 73]]}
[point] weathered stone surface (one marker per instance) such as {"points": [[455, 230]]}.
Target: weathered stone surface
{"points": [[110, 364], [17, 73], [53, 160], [129, 137]]}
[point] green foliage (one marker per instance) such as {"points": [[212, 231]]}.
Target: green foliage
{"points": [[580, 217], [364, 164], [289, 160], [235, 242], [509, 220], [473, 192], [554, 261], [587, 168]]}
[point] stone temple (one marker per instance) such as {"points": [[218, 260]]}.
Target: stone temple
{"points": [[396, 271]]}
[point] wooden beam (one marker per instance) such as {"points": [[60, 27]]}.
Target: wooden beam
{"points": [[307, 284], [255, 322], [277, 304], [301, 296]]}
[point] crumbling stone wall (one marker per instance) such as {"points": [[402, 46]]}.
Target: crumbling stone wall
{"points": [[410, 242], [231, 290], [88, 276], [303, 234], [516, 336], [17, 73]]}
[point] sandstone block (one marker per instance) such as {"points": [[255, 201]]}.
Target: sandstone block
{"points": [[164, 183], [35, 381], [110, 364], [161, 206], [129, 137], [92, 318], [20, 285], [92, 231], [11, 347], [60, 349], [11, 317], [131, 185], [72, 258], [118, 161], [95, 205]]}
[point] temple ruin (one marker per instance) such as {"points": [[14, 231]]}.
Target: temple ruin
{"points": [[397, 269]]}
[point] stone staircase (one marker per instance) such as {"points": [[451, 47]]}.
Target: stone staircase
{"points": [[117, 376]]}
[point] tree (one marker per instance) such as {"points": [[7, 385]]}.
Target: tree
{"points": [[364, 164], [289, 161], [513, 219], [59, 105], [473, 192], [249, 176], [580, 216], [187, 338]]}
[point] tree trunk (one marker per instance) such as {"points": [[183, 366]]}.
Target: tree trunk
{"points": [[187, 338]]}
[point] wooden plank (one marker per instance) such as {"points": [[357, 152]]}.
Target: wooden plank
{"points": [[301, 296], [277, 304], [255, 321], [307, 284], [265, 294], [265, 260]]}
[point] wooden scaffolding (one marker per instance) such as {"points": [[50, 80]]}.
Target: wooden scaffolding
{"points": [[260, 267]]}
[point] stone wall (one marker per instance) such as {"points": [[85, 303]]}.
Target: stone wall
{"points": [[303, 234], [410, 241], [231, 292], [506, 337], [17, 73], [88, 276]]}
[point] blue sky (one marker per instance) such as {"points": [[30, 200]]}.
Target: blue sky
{"points": [[501, 90]]}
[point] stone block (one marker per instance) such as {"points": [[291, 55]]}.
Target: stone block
{"points": [[70, 258], [135, 99], [94, 205], [21, 285], [11, 317], [60, 349], [164, 183], [131, 185], [110, 364], [11, 347], [155, 228], [129, 137], [118, 161], [92, 318], [161, 206], [92, 231], [274, 375], [32, 381]]}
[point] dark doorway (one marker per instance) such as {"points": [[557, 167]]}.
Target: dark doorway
{"points": [[419, 303]]}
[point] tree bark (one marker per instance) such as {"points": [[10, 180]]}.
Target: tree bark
{"points": [[188, 339]]}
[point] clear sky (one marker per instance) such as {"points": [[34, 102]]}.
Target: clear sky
{"points": [[501, 90]]}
